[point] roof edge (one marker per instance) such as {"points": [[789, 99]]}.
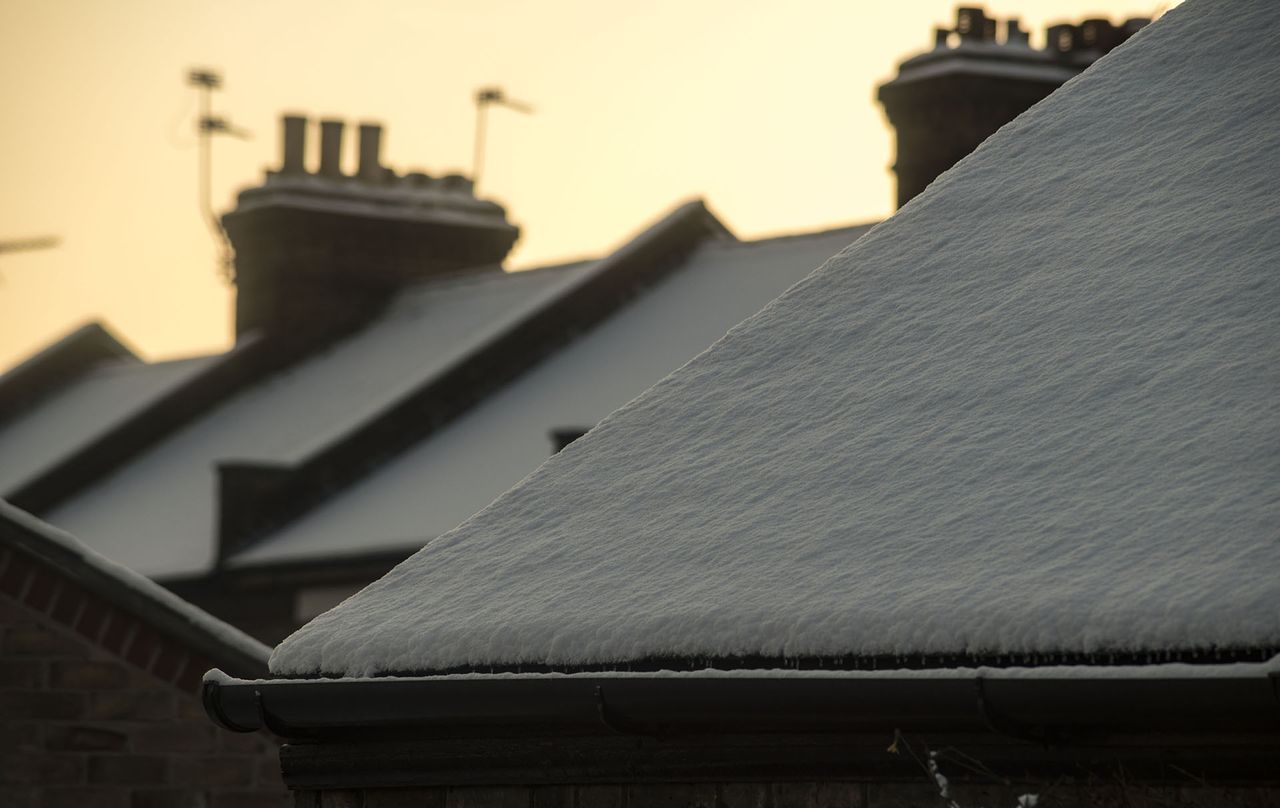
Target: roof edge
{"points": [[54, 365], [249, 360], [132, 592], [1055, 707]]}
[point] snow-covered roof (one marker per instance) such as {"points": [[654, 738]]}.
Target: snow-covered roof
{"points": [[459, 470], [82, 410], [170, 531], [1036, 411]]}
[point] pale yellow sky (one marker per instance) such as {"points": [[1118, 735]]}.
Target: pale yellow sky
{"points": [[765, 109]]}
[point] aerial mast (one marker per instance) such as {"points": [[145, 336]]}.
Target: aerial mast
{"points": [[486, 96], [207, 125]]}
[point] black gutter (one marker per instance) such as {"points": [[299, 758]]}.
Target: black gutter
{"points": [[1041, 709]]}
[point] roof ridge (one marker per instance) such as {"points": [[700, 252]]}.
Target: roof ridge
{"points": [[269, 495]]}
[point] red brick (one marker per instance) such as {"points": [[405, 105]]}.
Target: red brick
{"points": [[269, 773], [338, 798], [70, 598], [18, 796], [551, 797], [134, 705], [19, 737], [33, 639], [21, 673], [14, 578], [92, 617], [41, 704], [193, 673], [250, 799], [146, 644], [671, 796], [84, 674], [93, 797], [120, 628], [174, 737], [841, 795], [405, 797], [128, 769], [41, 589], [793, 795], [214, 771], [169, 798], [169, 662], [42, 768], [599, 796], [84, 739], [744, 795]]}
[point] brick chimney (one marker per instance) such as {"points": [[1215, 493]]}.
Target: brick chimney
{"points": [[325, 247], [946, 101]]}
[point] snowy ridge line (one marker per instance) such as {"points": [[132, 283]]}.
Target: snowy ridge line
{"points": [[1116, 660], [1171, 670], [435, 402]]}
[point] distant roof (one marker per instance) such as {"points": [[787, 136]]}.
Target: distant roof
{"points": [[84, 408], [170, 531], [462, 468], [1036, 412]]}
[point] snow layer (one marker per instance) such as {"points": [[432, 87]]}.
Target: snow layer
{"points": [[198, 618], [1036, 411], [459, 470], [84, 410], [169, 529]]}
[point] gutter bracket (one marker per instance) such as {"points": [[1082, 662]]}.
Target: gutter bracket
{"points": [[275, 727], [210, 696], [1004, 726], [616, 723]]}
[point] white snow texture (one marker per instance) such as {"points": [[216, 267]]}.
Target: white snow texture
{"points": [[1036, 411]]}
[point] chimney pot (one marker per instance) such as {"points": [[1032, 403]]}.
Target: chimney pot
{"points": [[295, 144], [1013, 33], [370, 169], [331, 148]]}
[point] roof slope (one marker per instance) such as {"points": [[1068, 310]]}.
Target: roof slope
{"points": [[83, 409], [456, 472], [283, 417], [1036, 411]]}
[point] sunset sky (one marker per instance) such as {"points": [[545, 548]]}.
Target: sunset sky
{"points": [[766, 110]]}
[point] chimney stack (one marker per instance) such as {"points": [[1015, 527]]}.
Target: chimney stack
{"points": [[318, 252], [331, 148], [295, 145], [370, 169], [945, 101]]}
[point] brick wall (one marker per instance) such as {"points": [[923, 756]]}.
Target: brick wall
{"points": [[789, 795], [84, 728]]}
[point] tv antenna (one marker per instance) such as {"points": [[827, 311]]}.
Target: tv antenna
{"points": [[207, 125], [485, 97], [24, 244]]}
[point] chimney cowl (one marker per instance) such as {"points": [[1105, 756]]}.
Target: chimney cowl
{"points": [[314, 250], [370, 165], [293, 155], [331, 131]]}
